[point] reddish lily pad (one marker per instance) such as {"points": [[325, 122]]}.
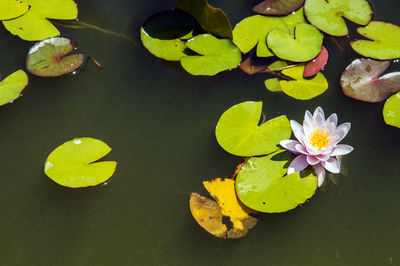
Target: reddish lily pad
{"points": [[49, 58], [362, 80], [278, 7], [318, 63]]}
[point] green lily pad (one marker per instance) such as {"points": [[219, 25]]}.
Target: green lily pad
{"points": [[49, 58], [305, 46], [391, 110], [384, 43], [262, 186], [34, 26], [12, 9], [328, 16], [278, 7], [73, 164], [211, 19], [238, 131], [164, 34], [273, 85], [293, 19], [301, 88], [253, 31], [216, 55], [12, 86]]}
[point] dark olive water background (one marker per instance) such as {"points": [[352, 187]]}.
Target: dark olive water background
{"points": [[160, 123]]}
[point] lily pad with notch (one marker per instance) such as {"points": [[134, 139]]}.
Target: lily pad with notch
{"points": [[391, 110], [11, 9], [49, 58], [12, 86], [278, 7], [293, 19]]}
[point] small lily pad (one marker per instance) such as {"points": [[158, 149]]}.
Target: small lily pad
{"points": [[262, 185], [73, 164], [253, 31], [254, 64], [391, 110], [318, 63], [12, 86], [238, 131], [11, 9], [305, 46], [49, 58], [273, 85], [362, 80], [278, 7], [216, 55], [211, 19], [329, 16], [300, 88], [384, 43]]}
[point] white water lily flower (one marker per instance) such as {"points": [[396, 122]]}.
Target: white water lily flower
{"points": [[317, 144]]}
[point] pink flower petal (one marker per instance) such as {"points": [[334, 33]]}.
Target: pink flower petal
{"points": [[301, 149], [332, 119], [332, 165], [319, 120], [319, 111], [342, 130], [312, 160], [298, 164], [297, 131], [290, 145], [342, 149], [320, 172], [323, 157]]}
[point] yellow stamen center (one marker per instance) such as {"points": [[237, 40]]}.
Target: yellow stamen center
{"points": [[319, 138]]}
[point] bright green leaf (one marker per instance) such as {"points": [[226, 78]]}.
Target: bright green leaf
{"points": [[300, 88], [305, 46], [12, 8], [272, 85], [12, 86], [391, 110], [262, 186], [216, 55], [238, 131], [253, 31], [328, 15], [73, 164], [384, 43], [293, 19]]}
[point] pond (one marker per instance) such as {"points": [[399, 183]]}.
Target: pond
{"points": [[160, 124]]}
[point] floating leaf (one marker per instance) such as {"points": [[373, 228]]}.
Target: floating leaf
{"points": [[211, 19], [273, 85], [391, 110], [12, 8], [328, 15], [278, 7], [238, 131], [33, 26], [164, 34], [318, 63], [253, 64], [253, 31], [384, 43], [300, 88], [73, 164], [209, 214], [262, 186], [305, 46], [216, 55], [293, 19], [12, 86], [49, 58], [361, 80]]}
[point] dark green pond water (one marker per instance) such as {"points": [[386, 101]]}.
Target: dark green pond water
{"points": [[160, 123]]}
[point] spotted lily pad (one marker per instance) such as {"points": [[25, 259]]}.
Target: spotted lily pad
{"points": [[216, 55], [384, 43], [34, 24], [362, 80], [253, 31], [262, 184], [73, 164], [238, 131], [278, 7], [391, 110], [328, 15], [11, 9], [303, 47], [12, 86], [49, 58]]}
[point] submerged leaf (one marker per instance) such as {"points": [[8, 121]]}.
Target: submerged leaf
{"points": [[73, 164], [253, 64], [361, 80], [238, 131], [327, 15], [278, 7], [49, 58], [12, 86], [216, 55], [318, 63], [384, 43], [262, 185], [12, 8], [303, 47], [391, 110], [211, 19]]}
